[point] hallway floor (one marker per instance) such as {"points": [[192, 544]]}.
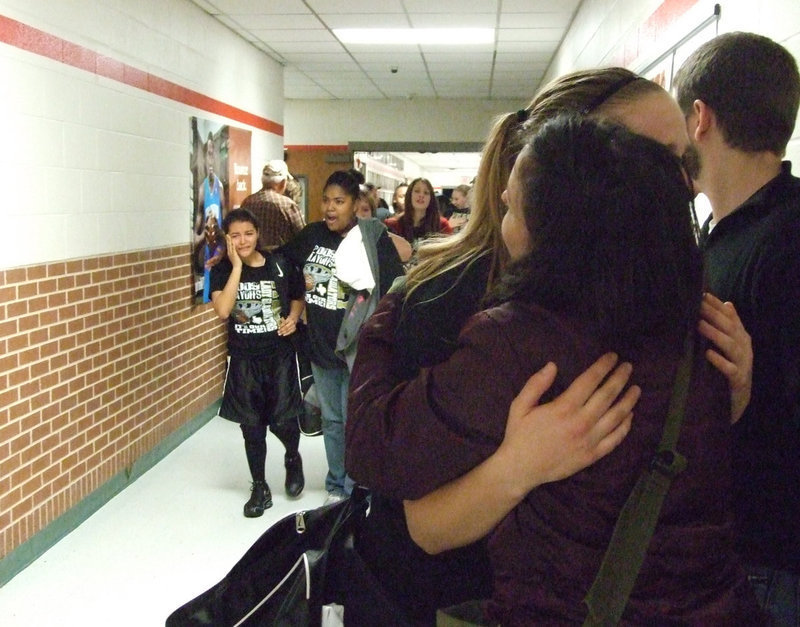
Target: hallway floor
{"points": [[166, 538]]}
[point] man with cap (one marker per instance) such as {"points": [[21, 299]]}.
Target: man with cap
{"points": [[279, 217]]}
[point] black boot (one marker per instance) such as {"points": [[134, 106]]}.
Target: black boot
{"points": [[260, 499], [295, 481]]}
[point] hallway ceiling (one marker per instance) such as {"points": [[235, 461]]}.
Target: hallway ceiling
{"points": [[299, 35]]}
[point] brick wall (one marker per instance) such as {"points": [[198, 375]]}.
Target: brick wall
{"points": [[100, 360]]}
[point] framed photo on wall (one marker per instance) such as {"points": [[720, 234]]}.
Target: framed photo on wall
{"points": [[662, 69], [219, 163]]}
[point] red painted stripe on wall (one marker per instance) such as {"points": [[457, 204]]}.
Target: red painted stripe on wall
{"points": [[646, 36], [669, 11], [33, 40]]}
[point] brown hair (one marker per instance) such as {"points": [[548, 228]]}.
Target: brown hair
{"points": [[482, 234], [612, 240], [430, 222], [751, 83], [594, 93]]}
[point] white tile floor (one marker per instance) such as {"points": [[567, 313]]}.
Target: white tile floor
{"points": [[166, 538]]}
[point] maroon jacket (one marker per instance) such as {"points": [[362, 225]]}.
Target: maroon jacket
{"points": [[395, 225], [405, 438]]}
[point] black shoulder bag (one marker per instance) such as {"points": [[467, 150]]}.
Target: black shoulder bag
{"points": [[301, 568]]}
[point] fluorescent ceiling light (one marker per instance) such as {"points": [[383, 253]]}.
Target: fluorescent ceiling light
{"points": [[429, 36]]}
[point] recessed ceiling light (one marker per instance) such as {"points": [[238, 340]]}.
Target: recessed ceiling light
{"points": [[414, 36]]}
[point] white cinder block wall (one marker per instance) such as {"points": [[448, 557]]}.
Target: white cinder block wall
{"points": [[94, 166], [337, 122], [595, 37]]}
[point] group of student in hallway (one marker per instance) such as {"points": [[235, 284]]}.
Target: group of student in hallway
{"points": [[500, 395]]}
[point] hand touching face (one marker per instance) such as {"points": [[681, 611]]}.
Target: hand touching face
{"points": [[242, 241]]}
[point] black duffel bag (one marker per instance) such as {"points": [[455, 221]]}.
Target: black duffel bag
{"points": [[302, 563]]}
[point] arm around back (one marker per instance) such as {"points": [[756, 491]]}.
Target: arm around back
{"points": [[542, 443], [405, 438]]}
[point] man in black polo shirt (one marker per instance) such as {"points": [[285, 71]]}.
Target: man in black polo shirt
{"points": [[740, 95]]}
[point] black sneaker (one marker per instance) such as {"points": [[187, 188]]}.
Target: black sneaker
{"points": [[260, 499], [295, 481]]}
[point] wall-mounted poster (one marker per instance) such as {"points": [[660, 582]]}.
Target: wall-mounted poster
{"points": [[220, 155], [662, 69], [239, 159]]}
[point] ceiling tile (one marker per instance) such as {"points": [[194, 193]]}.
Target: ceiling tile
{"points": [[535, 20], [270, 22], [525, 47], [404, 75], [363, 20], [531, 66], [523, 55], [334, 70], [455, 7], [298, 34], [449, 20], [484, 49], [463, 57], [268, 36], [530, 34], [540, 6], [259, 7], [443, 71], [389, 57], [306, 48], [355, 6], [321, 57]]}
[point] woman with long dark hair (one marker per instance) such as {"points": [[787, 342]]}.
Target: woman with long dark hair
{"points": [[602, 257], [420, 218]]}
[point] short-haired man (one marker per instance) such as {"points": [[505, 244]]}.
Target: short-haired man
{"points": [[740, 94], [279, 217]]}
